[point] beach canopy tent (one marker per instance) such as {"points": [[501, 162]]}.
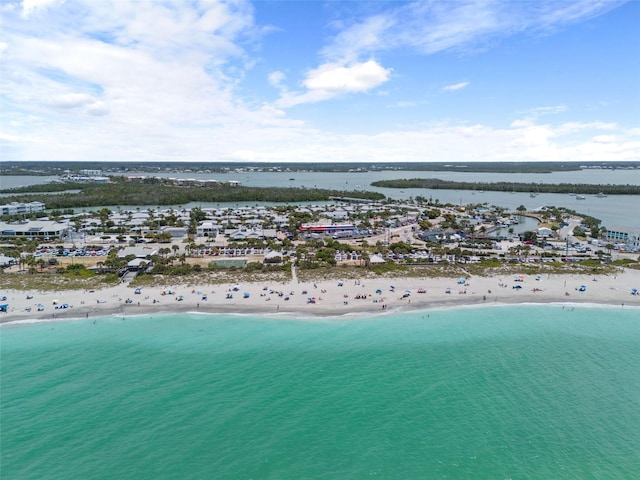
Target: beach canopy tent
{"points": [[4, 307]]}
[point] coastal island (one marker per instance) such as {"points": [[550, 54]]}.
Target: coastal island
{"points": [[318, 259]]}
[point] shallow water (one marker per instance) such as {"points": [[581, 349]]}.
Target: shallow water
{"points": [[493, 392]]}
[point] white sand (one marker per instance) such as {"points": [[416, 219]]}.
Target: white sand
{"points": [[331, 299]]}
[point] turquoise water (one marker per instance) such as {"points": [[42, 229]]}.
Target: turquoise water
{"points": [[525, 392]]}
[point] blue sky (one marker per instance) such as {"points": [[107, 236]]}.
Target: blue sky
{"points": [[315, 81]]}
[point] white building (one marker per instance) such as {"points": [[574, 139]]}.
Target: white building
{"points": [[208, 229], [15, 208], [44, 229], [630, 238], [544, 232]]}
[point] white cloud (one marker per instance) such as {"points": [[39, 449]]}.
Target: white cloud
{"points": [[113, 81], [541, 111], [358, 77], [71, 100], [30, 7], [276, 78], [332, 79], [429, 27], [456, 86], [359, 39]]}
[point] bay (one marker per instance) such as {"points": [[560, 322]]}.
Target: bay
{"points": [[613, 210]]}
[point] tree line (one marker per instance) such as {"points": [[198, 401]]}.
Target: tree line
{"points": [[581, 188], [159, 192]]}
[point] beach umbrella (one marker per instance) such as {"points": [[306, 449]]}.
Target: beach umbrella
{"points": [[538, 277], [246, 294], [517, 287], [634, 291], [462, 280], [379, 292], [55, 302], [407, 291]]}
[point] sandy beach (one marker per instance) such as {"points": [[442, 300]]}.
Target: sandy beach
{"points": [[328, 298]]}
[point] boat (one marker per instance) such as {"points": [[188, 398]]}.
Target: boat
{"points": [[580, 197], [292, 179], [600, 195]]}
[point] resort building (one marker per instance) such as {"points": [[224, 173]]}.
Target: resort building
{"points": [[242, 234], [16, 208], [42, 229], [324, 230], [208, 229], [628, 238]]}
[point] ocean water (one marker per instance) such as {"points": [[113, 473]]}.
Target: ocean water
{"points": [[512, 392]]}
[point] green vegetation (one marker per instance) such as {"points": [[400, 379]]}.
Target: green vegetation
{"points": [[56, 281], [437, 184], [153, 191]]}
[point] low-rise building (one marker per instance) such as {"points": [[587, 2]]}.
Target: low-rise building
{"points": [[208, 229], [628, 237], [18, 208], [42, 229]]}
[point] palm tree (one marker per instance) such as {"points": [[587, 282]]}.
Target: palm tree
{"points": [[31, 262], [609, 247]]}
